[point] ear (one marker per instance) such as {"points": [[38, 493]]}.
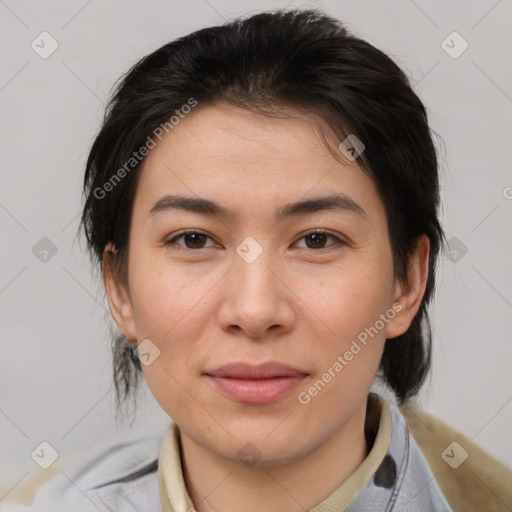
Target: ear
{"points": [[118, 296], [408, 295]]}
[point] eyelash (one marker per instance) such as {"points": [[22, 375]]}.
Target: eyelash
{"points": [[315, 232]]}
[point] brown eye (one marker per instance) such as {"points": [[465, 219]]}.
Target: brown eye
{"points": [[194, 240], [318, 239], [191, 239]]}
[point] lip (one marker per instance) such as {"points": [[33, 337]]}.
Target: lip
{"points": [[255, 384]]}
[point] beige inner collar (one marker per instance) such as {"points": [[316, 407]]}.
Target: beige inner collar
{"points": [[175, 498]]}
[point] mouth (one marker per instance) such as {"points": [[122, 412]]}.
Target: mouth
{"points": [[255, 384]]}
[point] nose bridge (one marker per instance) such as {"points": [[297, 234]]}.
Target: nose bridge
{"points": [[254, 281], [256, 300]]}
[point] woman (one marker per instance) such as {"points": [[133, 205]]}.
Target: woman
{"points": [[262, 199]]}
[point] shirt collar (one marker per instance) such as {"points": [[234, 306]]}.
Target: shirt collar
{"points": [[173, 492]]}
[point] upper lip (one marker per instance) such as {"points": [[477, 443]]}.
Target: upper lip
{"points": [[242, 370]]}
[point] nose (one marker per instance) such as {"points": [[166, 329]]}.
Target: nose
{"points": [[257, 301]]}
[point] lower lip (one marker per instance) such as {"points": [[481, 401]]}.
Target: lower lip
{"points": [[257, 391]]}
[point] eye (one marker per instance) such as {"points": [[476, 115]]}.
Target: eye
{"points": [[316, 239], [192, 240], [196, 240]]}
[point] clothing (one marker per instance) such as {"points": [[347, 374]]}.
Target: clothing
{"points": [[476, 483], [147, 476]]}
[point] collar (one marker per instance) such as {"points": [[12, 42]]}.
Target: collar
{"points": [[393, 475], [175, 498]]}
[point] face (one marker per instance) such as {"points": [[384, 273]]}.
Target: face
{"points": [[267, 307]]}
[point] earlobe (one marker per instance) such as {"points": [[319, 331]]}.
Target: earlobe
{"points": [[410, 294], [118, 296]]}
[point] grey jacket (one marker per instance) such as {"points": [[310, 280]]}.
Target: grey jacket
{"points": [[124, 478]]}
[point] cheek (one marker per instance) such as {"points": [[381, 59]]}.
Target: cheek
{"points": [[352, 298], [169, 310], [350, 303], [348, 357], [163, 298], [173, 308]]}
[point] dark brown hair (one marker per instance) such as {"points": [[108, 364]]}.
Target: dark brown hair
{"points": [[300, 59]]}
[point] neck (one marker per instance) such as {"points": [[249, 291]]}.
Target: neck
{"points": [[214, 483]]}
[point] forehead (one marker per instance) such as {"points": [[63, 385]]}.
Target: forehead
{"points": [[243, 158]]}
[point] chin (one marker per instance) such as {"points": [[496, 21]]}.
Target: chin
{"points": [[261, 449]]}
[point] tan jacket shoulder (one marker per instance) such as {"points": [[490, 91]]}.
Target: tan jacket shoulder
{"points": [[470, 478]]}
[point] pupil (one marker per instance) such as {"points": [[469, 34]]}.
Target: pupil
{"points": [[194, 238], [317, 238]]}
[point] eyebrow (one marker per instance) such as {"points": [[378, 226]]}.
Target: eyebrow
{"points": [[340, 202]]}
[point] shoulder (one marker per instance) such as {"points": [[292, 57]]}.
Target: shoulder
{"points": [[119, 476], [413, 485], [469, 477]]}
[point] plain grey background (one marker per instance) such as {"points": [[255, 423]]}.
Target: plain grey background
{"points": [[55, 366]]}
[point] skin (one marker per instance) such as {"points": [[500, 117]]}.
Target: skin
{"points": [[300, 303]]}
